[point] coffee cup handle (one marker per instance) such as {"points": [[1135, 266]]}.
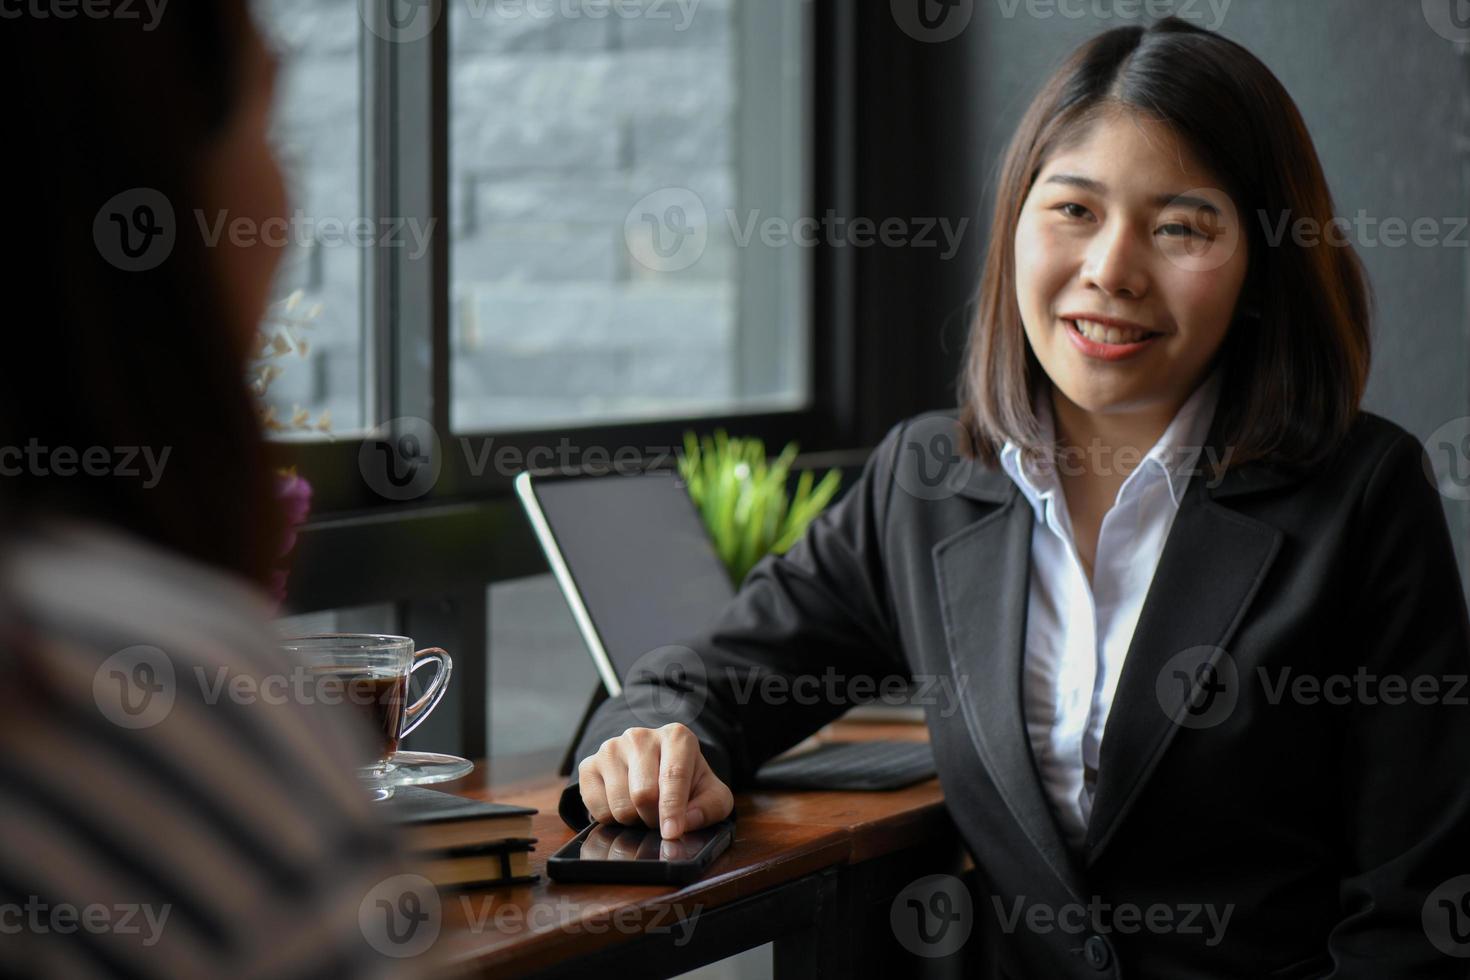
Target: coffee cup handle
{"points": [[419, 710]]}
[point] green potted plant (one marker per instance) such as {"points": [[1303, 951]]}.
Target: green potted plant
{"points": [[744, 500]]}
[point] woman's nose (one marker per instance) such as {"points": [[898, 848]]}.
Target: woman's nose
{"points": [[1117, 262]]}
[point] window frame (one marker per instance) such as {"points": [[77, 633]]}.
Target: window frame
{"points": [[467, 533]]}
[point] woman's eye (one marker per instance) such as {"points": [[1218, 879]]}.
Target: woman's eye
{"points": [[1179, 230], [1079, 212]]}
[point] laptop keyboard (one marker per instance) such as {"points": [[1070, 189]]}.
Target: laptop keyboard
{"points": [[851, 766]]}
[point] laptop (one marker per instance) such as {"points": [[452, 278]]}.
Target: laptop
{"points": [[638, 569]]}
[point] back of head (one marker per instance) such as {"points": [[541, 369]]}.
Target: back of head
{"points": [[124, 400]]}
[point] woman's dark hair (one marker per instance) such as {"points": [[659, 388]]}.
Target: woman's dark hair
{"points": [[125, 360], [1294, 376]]}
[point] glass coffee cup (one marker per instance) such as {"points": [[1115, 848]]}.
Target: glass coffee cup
{"points": [[367, 675]]}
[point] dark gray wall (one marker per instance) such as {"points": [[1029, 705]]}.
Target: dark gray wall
{"points": [[1387, 99]]}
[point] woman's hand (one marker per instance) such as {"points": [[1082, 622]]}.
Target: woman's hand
{"points": [[656, 776]]}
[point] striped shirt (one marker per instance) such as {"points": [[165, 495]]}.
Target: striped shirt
{"points": [[156, 817]]}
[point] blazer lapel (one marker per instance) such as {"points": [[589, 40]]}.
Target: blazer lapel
{"points": [[1211, 569], [982, 573]]}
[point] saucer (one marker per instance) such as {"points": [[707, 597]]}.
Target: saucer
{"points": [[415, 769]]}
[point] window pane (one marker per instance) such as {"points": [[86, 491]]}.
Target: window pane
{"points": [[600, 184], [317, 131]]}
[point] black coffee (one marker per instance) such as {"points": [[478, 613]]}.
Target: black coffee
{"points": [[373, 697]]}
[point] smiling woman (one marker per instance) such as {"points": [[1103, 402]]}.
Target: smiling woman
{"points": [[1119, 633], [1136, 192]]}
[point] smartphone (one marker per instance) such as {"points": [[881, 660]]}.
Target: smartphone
{"points": [[639, 855]]}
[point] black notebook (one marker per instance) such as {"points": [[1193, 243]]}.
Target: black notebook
{"points": [[435, 821]]}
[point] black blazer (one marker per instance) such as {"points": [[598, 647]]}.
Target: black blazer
{"points": [[1328, 828]]}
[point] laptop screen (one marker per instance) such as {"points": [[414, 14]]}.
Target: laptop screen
{"points": [[633, 557]]}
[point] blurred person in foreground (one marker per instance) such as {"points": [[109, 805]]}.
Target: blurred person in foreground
{"points": [[152, 821]]}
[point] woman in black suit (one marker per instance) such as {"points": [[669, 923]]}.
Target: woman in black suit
{"points": [[1167, 521]]}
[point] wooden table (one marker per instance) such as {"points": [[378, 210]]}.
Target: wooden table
{"points": [[812, 872]]}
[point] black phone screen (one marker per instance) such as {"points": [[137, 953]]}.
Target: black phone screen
{"points": [[611, 842]]}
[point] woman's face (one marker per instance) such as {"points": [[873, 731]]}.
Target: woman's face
{"points": [[243, 179], [1127, 225]]}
